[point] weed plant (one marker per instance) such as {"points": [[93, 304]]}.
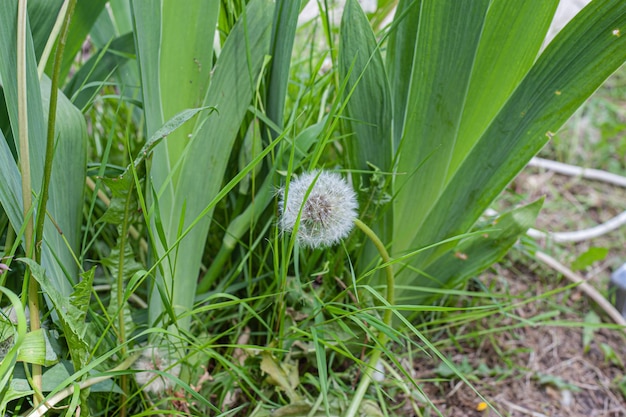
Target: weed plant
{"points": [[167, 273]]}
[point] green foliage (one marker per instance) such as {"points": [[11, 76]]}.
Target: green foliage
{"points": [[591, 256], [430, 117], [468, 123]]}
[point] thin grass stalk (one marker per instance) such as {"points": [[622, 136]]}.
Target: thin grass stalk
{"points": [[52, 110], [27, 201], [382, 339], [33, 288]]}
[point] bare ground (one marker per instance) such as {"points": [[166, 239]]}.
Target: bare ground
{"points": [[534, 370]]}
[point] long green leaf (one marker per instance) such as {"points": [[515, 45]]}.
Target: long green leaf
{"points": [[572, 67], [448, 36], [400, 53], [283, 36], [85, 14], [187, 173], [68, 172], [512, 36], [42, 15], [368, 118], [368, 109], [474, 254]]}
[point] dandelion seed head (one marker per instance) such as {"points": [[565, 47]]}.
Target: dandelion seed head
{"points": [[328, 212], [154, 359]]}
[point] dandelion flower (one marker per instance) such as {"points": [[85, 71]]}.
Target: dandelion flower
{"points": [[328, 213], [156, 360]]}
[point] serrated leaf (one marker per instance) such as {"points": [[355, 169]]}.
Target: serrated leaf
{"points": [[70, 317], [128, 268], [81, 296]]}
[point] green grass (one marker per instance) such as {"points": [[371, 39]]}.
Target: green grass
{"points": [[180, 246]]}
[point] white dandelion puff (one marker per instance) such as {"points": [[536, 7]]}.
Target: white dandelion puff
{"points": [[155, 359], [327, 215]]}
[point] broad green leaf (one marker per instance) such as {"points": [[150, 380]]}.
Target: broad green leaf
{"points": [[400, 53], [553, 89], [185, 71], [448, 36], [368, 117], [10, 188], [186, 186], [281, 45], [476, 253], [68, 172], [42, 15], [512, 36], [67, 187], [8, 74], [368, 108], [37, 349], [147, 18], [85, 14]]}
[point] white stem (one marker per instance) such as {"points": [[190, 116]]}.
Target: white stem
{"points": [[584, 234], [583, 285], [588, 173], [576, 171]]}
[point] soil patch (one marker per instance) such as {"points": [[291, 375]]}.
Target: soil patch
{"points": [[549, 367]]}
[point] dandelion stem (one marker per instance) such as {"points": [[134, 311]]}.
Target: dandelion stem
{"points": [[387, 316]]}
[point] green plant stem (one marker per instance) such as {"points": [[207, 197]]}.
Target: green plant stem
{"points": [[52, 111], [27, 202], [387, 316], [33, 287]]}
